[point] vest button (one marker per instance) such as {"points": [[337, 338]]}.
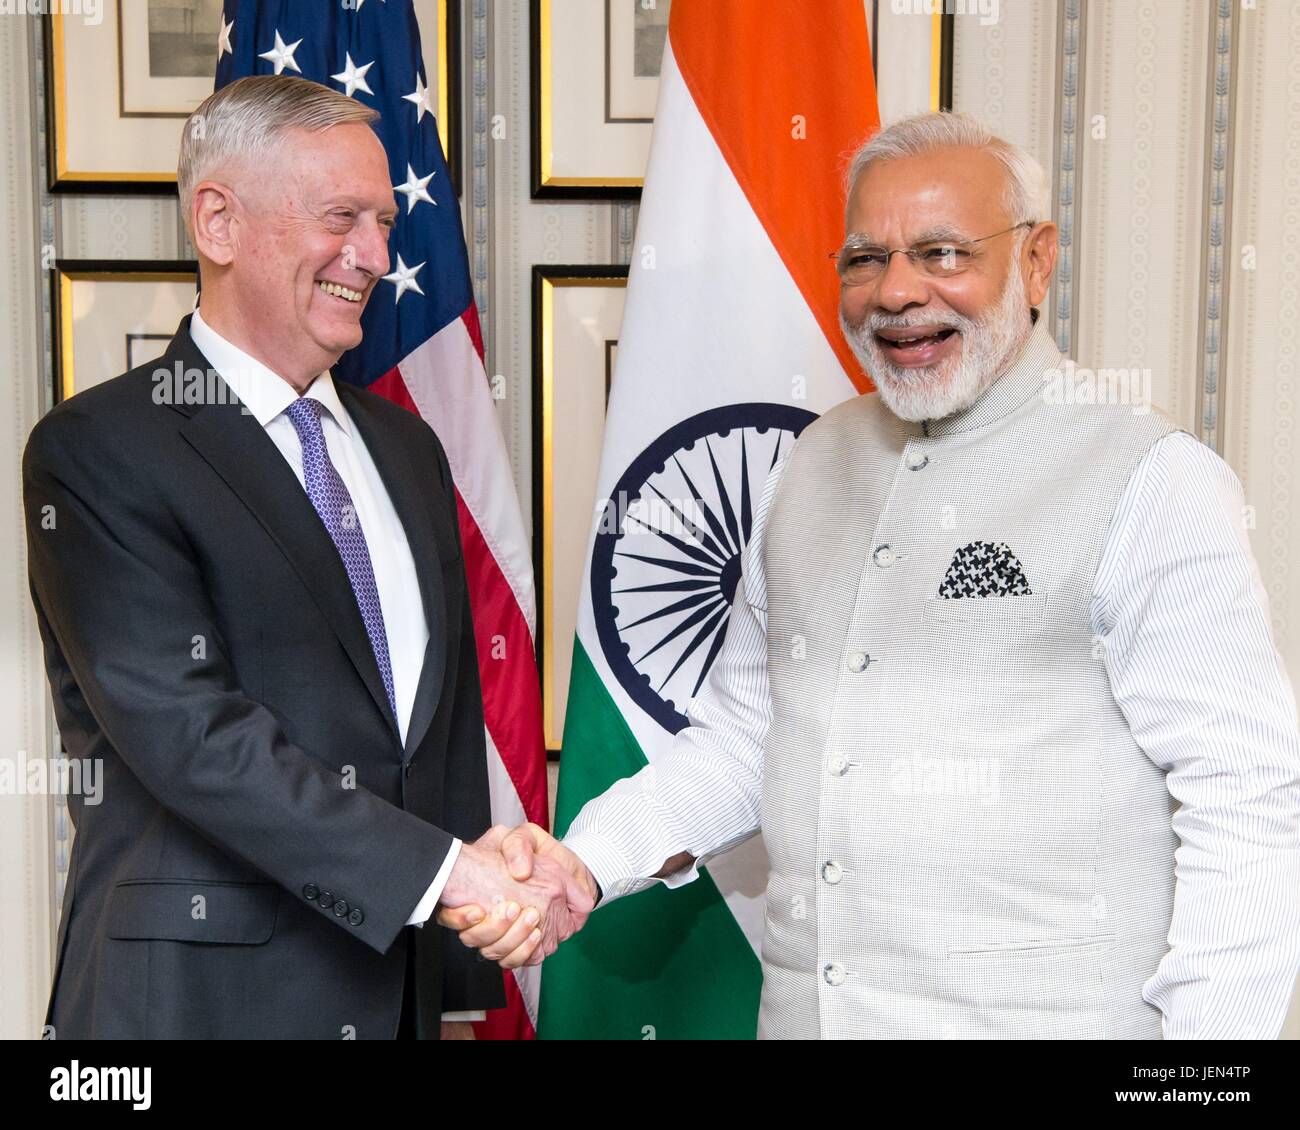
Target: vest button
{"points": [[858, 661], [884, 556], [915, 461], [832, 872], [837, 766], [833, 974]]}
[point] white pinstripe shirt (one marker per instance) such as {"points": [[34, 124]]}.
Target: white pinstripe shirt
{"points": [[1181, 609]]}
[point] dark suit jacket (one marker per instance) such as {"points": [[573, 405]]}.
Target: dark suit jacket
{"points": [[263, 835]]}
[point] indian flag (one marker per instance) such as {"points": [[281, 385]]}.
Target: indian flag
{"points": [[730, 345]]}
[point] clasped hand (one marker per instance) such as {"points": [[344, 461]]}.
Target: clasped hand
{"points": [[515, 895]]}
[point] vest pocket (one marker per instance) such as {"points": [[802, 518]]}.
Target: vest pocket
{"points": [[1021, 611], [1012, 951], [1033, 990]]}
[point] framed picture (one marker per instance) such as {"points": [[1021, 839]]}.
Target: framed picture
{"points": [[635, 36], [159, 57], [592, 112], [111, 315], [577, 312], [125, 141], [166, 56]]}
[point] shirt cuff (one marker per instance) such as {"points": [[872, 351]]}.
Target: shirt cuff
{"points": [[470, 1016], [425, 907], [611, 870]]}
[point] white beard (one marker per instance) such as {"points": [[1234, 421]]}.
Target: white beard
{"points": [[936, 391]]}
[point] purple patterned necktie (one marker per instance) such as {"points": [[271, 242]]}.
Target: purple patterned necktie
{"points": [[330, 497]]}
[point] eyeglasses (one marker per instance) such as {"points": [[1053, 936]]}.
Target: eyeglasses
{"points": [[859, 263]]}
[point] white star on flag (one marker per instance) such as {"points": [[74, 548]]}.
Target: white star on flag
{"points": [[421, 97], [404, 278], [281, 55], [414, 189], [223, 40], [353, 77]]}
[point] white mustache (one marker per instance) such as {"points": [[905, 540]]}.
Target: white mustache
{"points": [[949, 320]]}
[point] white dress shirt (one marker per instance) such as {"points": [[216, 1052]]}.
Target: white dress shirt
{"points": [[266, 395], [1180, 610]]}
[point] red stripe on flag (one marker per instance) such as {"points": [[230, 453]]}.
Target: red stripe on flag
{"points": [[509, 1023], [470, 318], [512, 695], [391, 387]]}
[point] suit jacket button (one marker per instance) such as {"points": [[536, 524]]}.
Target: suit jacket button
{"points": [[356, 917], [341, 907], [326, 900], [310, 892], [410, 768]]}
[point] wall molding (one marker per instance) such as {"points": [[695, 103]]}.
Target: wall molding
{"points": [[1215, 266], [1067, 173]]}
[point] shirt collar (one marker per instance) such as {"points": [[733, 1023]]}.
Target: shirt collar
{"points": [[263, 392]]}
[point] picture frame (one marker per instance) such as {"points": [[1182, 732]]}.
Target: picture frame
{"points": [[129, 144], [94, 148], [111, 315], [592, 115], [166, 56], [941, 60], [451, 99], [577, 312]]}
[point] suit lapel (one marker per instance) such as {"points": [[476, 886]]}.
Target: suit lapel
{"points": [[411, 498], [241, 452]]}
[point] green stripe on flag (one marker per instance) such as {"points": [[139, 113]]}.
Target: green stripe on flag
{"points": [[667, 965]]}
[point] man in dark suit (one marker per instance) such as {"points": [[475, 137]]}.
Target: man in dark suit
{"points": [[255, 616]]}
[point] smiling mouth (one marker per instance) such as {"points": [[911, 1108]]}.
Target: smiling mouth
{"points": [[918, 340], [339, 291]]}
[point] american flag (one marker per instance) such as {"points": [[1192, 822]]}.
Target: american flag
{"points": [[423, 349]]}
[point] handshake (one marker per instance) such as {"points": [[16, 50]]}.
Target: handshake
{"points": [[516, 894]]}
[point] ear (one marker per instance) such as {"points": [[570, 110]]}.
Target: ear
{"points": [[214, 217], [1038, 261]]}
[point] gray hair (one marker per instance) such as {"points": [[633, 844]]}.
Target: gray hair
{"points": [[1027, 194], [246, 118]]}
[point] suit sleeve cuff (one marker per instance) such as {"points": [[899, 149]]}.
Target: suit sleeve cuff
{"points": [[424, 908]]}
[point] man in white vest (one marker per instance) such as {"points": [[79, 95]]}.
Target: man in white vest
{"points": [[994, 618]]}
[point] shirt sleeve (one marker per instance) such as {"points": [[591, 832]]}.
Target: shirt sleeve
{"points": [[424, 908], [704, 795], [1182, 612]]}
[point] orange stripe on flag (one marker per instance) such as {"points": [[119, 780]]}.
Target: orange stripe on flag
{"points": [[761, 75]]}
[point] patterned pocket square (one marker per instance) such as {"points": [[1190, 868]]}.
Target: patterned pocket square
{"points": [[984, 568]]}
